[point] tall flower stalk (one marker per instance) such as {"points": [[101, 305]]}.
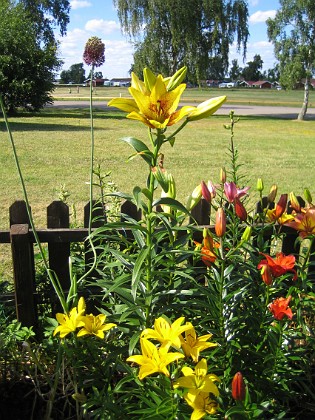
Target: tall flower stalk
{"points": [[155, 103], [94, 55]]}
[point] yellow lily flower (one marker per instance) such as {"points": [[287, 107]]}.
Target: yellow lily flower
{"points": [[95, 325], [197, 381], [164, 332], [206, 108], [283, 219], [202, 405], [153, 360], [70, 322], [193, 345], [156, 108]]}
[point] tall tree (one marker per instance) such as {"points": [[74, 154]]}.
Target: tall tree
{"points": [[292, 32], [235, 70], [173, 33], [252, 69], [27, 63]]}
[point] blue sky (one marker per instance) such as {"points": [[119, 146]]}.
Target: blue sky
{"points": [[99, 18]]}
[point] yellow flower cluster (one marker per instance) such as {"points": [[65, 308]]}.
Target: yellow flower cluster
{"points": [[199, 385], [87, 324]]}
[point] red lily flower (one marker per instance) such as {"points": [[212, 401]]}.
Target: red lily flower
{"points": [[279, 265], [280, 308]]}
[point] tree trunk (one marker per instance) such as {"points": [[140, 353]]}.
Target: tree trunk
{"points": [[305, 101]]}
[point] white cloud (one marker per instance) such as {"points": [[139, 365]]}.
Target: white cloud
{"points": [[105, 27], [260, 16], [79, 4], [263, 48], [254, 2]]}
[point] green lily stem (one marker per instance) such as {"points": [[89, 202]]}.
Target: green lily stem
{"points": [[87, 273], [148, 217], [52, 276], [53, 390], [278, 350]]}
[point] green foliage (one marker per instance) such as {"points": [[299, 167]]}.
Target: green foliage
{"points": [[293, 36], [27, 61], [177, 33], [76, 74]]}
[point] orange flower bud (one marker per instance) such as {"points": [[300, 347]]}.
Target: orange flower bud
{"points": [[207, 239], [281, 205], [294, 202], [223, 175], [240, 210], [266, 274], [238, 387], [220, 222], [272, 194]]}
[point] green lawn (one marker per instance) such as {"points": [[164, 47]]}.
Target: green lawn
{"points": [[54, 150], [237, 95]]}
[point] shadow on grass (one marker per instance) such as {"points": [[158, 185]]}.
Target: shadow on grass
{"points": [[47, 113], [72, 112]]}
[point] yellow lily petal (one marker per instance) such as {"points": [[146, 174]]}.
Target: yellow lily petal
{"points": [[125, 104]]}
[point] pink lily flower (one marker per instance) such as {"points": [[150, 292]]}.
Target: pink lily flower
{"points": [[231, 191]]}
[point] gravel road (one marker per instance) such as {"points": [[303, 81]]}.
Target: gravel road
{"points": [[261, 111]]}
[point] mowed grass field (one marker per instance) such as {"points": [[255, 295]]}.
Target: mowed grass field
{"points": [[54, 150], [244, 96]]}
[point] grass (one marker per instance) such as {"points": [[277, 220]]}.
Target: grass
{"points": [[53, 148], [247, 96]]}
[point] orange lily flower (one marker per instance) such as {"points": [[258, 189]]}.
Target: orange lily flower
{"points": [[207, 255], [277, 266], [280, 308]]}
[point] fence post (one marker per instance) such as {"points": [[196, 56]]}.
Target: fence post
{"points": [[23, 269], [59, 253]]}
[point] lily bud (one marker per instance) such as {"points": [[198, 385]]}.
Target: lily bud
{"points": [[238, 387], [205, 192], [260, 185], [266, 275], [294, 202], [247, 234], [281, 205], [194, 198], [206, 108], [307, 195], [240, 210], [222, 175], [177, 79], [272, 194], [220, 222], [207, 239]]}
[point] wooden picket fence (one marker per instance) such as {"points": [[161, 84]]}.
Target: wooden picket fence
{"points": [[58, 236]]}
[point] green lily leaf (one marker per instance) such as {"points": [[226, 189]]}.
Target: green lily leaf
{"points": [[140, 148]]}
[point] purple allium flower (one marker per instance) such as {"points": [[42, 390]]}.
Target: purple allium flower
{"points": [[94, 52]]}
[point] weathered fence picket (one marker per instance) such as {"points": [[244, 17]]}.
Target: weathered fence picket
{"points": [[59, 236]]}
